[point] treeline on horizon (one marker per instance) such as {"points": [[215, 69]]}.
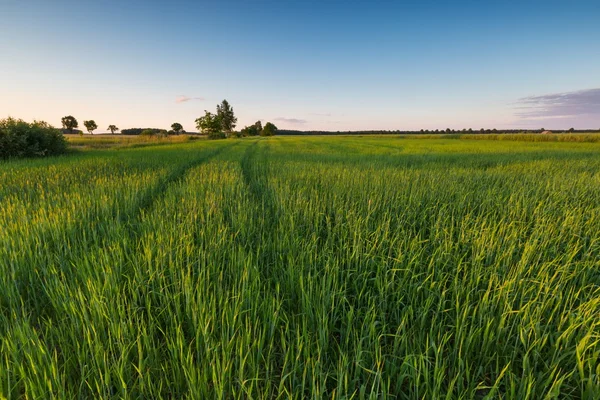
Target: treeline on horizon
{"points": [[291, 132], [435, 132]]}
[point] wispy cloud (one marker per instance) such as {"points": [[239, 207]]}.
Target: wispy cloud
{"points": [[560, 105], [294, 121], [184, 99]]}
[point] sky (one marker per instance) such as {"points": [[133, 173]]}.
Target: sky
{"points": [[306, 65]]}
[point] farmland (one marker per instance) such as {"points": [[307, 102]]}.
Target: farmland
{"points": [[340, 267]]}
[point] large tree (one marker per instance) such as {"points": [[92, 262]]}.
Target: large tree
{"points": [[210, 124], [69, 122], [113, 129], [177, 128], [226, 116], [269, 130], [90, 126]]}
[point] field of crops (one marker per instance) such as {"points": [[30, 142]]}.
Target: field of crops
{"points": [[303, 268]]}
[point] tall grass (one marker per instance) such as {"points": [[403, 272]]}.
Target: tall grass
{"points": [[303, 267], [122, 141]]}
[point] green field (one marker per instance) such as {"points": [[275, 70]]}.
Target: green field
{"points": [[313, 267]]}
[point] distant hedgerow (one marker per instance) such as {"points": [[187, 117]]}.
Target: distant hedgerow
{"points": [[23, 139]]}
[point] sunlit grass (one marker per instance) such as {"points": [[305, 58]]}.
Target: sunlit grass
{"points": [[303, 267], [124, 141]]}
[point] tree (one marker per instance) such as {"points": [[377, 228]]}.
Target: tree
{"points": [[210, 124], [177, 128], [258, 126], [571, 130], [113, 129], [253, 130], [69, 122], [269, 130], [247, 131], [90, 125], [226, 116]]}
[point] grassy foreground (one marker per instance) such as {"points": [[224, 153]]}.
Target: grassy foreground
{"points": [[303, 268]]}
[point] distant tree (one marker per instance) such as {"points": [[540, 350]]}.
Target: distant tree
{"points": [[113, 129], [245, 131], [259, 127], [482, 131], [252, 130], [69, 122], [571, 130], [542, 130], [269, 130], [90, 126], [210, 124], [226, 116], [448, 130], [470, 130], [177, 128]]}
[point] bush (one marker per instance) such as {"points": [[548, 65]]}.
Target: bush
{"points": [[147, 132], [143, 131], [216, 135], [132, 131], [153, 132], [22, 139]]}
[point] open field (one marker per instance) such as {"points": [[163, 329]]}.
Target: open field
{"points": [[303, 267]]}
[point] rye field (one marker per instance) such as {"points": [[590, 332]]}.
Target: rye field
{"points": [[303, 267]]}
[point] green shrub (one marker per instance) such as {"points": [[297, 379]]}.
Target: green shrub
{"points": [[22, 139], [216, 135], [147, 132], [153, 132]]}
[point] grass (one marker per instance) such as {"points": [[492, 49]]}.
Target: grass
{"points": [[520, 137], [303, 267], [87, 141]]}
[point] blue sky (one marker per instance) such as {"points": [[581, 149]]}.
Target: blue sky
{"points": [[332, 65]]}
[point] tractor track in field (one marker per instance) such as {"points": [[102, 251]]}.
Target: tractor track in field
{"points": [[152, 195], [254, 174], [32, 286]]}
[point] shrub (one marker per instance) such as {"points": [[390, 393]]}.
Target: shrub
{"points": [[147, 132], [22, 139], [216, 135], [153, 132], [132, 131], [142, 131]]}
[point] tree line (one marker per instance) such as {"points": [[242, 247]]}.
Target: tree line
{"points": [[447, 131], [218, 125]]}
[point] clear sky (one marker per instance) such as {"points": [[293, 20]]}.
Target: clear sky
{"points": [[331, 65]]}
